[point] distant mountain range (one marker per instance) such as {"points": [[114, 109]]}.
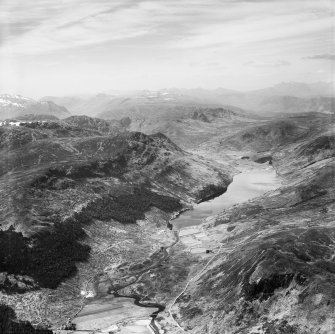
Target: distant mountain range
{"points": [[170, 112], [175, 104], [299, 89], [135, 104], [17, 106], [290, 97]]}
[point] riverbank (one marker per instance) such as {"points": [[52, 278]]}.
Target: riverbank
{"points": [[95, 316], [275, 269], [125, 310], [247, 184], [114, 313]]}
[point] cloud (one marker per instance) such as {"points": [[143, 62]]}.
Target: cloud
{"points": [[44, 26], [256, 27], [130, 42], [278, 63], [39, 26], [325, 56]]}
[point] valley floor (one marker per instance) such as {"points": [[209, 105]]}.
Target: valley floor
{"points": [[260, 264], [104, 313]]}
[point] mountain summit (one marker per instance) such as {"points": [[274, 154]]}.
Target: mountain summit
{"points": [[17, 106]]}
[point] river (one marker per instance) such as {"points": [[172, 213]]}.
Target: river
{"points": [[104, 313]]}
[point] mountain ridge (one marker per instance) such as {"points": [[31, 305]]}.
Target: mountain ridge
{"points": [[285, 97], [17, 106]]}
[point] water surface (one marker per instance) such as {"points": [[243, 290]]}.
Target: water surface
{"points": [[245, 186]]}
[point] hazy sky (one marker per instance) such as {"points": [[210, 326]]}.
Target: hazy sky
{"points": [[63, 47]]}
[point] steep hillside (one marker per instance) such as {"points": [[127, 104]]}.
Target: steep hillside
{"points": [[17, 106], [58, 180], [272, 267], [58, 155], [85, 122], [266, 136], [183, 119], [192, 126], [263, 137]]}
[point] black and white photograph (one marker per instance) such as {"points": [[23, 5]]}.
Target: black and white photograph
{"points": [[167, 166]]}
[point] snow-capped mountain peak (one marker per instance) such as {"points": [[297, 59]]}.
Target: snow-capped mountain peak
{"points": [[14, 106]]}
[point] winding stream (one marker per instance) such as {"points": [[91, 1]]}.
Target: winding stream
{"points": [[137, 302], [245, 186]]}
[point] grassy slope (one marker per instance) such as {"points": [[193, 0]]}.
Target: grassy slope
{"points": [[276, 271], [57, 179]]}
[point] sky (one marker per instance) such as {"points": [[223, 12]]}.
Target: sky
{"points": [[68, 47]]}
